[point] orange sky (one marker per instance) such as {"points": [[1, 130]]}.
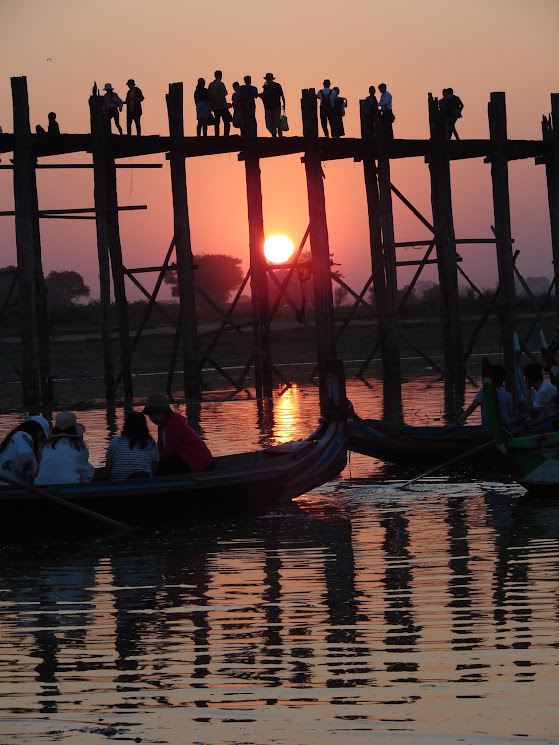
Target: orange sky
{"points": [[415, 46]]}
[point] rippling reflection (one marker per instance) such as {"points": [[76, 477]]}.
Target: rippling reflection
{"points": [[362, 611]]}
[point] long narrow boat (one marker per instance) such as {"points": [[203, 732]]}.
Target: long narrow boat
{"points": [[532, 460], [244, 481], [393, 441]]}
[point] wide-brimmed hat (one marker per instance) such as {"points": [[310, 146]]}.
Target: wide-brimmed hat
{"points": [[42, 422], [64, 421], [156, 402], [269, 75], [108, 87], [131, 80]]}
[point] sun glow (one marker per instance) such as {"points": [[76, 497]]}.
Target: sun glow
{"points": [[278, 248]]}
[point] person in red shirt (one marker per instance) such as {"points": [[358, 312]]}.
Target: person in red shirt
{"points": [[181, 450]]}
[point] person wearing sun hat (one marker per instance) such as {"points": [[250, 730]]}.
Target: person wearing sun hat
{"points": [[113, 105], [181, 450], [272, 98], [20, 450], [65, 457]]}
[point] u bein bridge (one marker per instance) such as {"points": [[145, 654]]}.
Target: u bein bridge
{"points": [[375, 154]]}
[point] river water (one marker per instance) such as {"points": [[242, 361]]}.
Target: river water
{"points": [[361, 611]]}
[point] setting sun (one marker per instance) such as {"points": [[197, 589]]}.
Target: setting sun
{"points": [[278, 248]]}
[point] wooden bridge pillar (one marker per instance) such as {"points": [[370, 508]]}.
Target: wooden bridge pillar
{"points": [[550, 129], [320, 249], [100, 138], [258, 276], [183, 245], [506, 301], [108, 246], [443, 223], [36, 378], [383, 265]]}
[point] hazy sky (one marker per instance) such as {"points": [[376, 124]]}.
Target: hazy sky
{"points": [[414, 46]]}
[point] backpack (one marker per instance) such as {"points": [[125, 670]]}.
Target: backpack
{"points": [[326, 100]]}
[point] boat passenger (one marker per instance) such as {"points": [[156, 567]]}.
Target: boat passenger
{"points": [[181, 450], [499, 374], [20, 450], [65, 457], [134, 454], [542, 401]]}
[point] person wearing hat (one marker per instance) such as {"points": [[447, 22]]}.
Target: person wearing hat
{"points": [[272, 98], [134, 99], [113, 105], [20, 450], [181, 450], [65, 457]]}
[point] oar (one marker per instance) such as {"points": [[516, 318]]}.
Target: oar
{"points": [[463, 456], [63, 503], [451, 462]]}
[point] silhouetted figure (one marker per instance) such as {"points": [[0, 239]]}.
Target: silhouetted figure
{"points": [[236, 102], [451, 108], [326, 96], [203, 108], [385, 108], [113, 106], [52, 129], [134, 99], [248, 94], [273, 99], [218, 102], [369, 113], [338, 113]]}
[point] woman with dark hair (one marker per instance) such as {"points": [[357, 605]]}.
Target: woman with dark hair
{"points": [[65, 457], [20, 450], [134, 454], [203, 108]]}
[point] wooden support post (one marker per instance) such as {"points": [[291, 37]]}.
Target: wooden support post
{"points": [[443, 223], [100, 137], [383, 262], [36, 378], [121, 303], [320, 249], [506, 303], [183, 246], [258, 276], [551, 137]]}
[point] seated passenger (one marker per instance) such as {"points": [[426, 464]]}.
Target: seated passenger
{"points": [[65, 457], [181, 450], [134, 454], [541, 399], [499, 375], [20, 450]]}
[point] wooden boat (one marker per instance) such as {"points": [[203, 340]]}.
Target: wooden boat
{"points": [[533, 459], [393, 441], [244, 481]]}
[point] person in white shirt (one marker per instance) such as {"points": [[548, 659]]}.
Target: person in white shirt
{"points": [[385, 108], [326, 97], [543, 395], [20, 450], [65, 457], [135, 453]]}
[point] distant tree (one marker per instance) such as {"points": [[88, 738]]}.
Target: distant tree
{"points": [[340, 294], [64, 288], [218, 275]]}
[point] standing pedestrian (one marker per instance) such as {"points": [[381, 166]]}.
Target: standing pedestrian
{"points": [[113, 106], [203, 109], [326, 96], [369, 113], [273, 99], [218, 102], [385, 108], [248, 94], [451, 108], [134, 99], [237, 110], [338, 113]]}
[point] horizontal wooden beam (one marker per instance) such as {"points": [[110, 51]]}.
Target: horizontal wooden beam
{"points": [[87, 165]]}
